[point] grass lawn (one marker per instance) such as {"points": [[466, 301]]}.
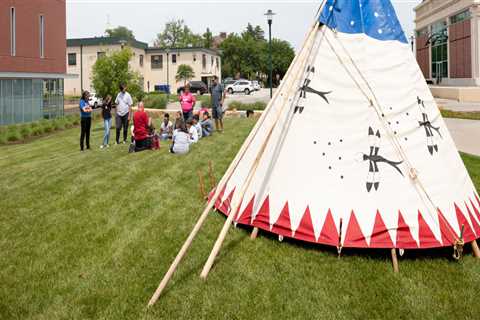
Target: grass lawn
{"points": [[90, 235], [470, 115]]}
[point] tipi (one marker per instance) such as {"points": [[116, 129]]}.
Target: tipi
{"points": [[352, 151]]}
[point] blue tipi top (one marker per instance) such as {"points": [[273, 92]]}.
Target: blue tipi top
{"points": [[375, 18]]}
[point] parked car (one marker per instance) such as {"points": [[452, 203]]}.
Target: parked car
{"points": [[241, 86], [94, 101], [197, 87], [229, 82], [256, 85]]}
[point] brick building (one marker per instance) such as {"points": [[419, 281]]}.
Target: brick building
{"points": [[32, 59], [447, 41]]}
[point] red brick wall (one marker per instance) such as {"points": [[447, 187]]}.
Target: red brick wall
{"points": [[460, 50], [27, 57], [423, 55]]}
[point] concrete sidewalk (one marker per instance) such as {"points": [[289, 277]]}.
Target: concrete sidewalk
{"points": [[457, 106], [466, 134]]}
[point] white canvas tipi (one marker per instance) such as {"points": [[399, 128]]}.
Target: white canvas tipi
{"points": [[355, 151], [352, 150]]}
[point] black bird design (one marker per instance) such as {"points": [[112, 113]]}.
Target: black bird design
{"points": [[374, 159], [425, 122], [306, 88]]}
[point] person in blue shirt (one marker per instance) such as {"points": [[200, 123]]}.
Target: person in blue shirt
{"points": [[85, 120]]}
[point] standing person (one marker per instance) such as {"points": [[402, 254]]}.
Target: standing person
{"points": [[187, 102], [124, 109], [107, 121], [218, 98], [85, 120]]}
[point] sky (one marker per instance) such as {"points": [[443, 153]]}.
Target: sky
{"points": [[88, 18]]}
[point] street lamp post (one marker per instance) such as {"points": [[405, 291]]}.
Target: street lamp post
{"points": [[270, 15]]}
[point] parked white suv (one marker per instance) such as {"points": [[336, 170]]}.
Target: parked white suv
{"points": [[94, 101], [241, 86], [256, 85]]}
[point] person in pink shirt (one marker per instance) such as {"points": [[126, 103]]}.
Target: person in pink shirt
{"points": [[187, 102]]}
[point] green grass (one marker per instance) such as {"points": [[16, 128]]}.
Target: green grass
{"points": [[90, 235], [259, 105], [470, 115]]}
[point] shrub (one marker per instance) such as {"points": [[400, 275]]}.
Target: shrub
{"points": [[259, 105], [58, 124], [36, 128], [156, 101], [3, 138], [13, 134], [47, 126], [205, 100], [25, 131]]}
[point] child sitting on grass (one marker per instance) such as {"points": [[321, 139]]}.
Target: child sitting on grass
{"points": [[197, 125], [180, 139], [192, 131], [166, 129], [207, 125]]}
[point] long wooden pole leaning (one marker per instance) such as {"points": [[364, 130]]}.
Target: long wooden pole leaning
{"points": [[394, 260], [216, 248], [168, 275]]}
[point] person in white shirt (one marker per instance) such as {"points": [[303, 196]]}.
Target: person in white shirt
{"points": [[181, 139], [166, 128], [192, 131], [197, 125], [124, 104]]}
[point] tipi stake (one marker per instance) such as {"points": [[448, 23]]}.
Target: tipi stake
{"points": [[223, 233], [201, 185], [475, 249], [254, 234], [210, 173], [394, 260]]}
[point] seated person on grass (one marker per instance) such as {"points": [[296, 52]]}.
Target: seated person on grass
{"points": [[178, 115], [141, 125], [197, 125], [207, 125], [192, 131], [166, 129], [181, 138]]}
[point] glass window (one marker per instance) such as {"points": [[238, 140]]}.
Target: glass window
{"points": [[52, 98], [194, 57], [204, 61], [42, 36], [459, 17], [439, 49], [72, 59], [141, 60], [157, 62], [100, 54], [13, 32], [174, 58]]}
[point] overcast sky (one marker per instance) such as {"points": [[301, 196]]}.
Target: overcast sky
{"points": [[88, 18]]}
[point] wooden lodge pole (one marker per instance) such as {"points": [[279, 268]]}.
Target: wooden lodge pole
{"points": [[254, 233], [394, 260], [168, 275], [475, 249], [221, 237]]}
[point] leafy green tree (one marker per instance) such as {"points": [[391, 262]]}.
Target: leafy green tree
{"points": [[176, 34], [120, 32], [255, 33], [185, 73], [282, 56], [113, 69], [208, 39]]}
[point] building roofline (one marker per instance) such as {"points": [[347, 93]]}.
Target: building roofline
{"points": [[96, 41], [183, 49], [36, 75]]}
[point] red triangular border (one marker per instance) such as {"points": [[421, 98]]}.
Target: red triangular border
{"points": [[225, 207], [329, 234], [380, 236], [425, 234], [468, 233], [283, 225], [405, 239], [446, 230], [246, 216], [354, 237], [305, 230], [262, 219]]}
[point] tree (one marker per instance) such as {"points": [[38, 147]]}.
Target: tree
{"points": [[120, 32], [185, 73], [282, 56], [255, 33], [176, 34], [208, 39], [113, 69]]}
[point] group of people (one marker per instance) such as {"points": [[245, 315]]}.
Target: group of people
{"points": [[188, 127]]}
